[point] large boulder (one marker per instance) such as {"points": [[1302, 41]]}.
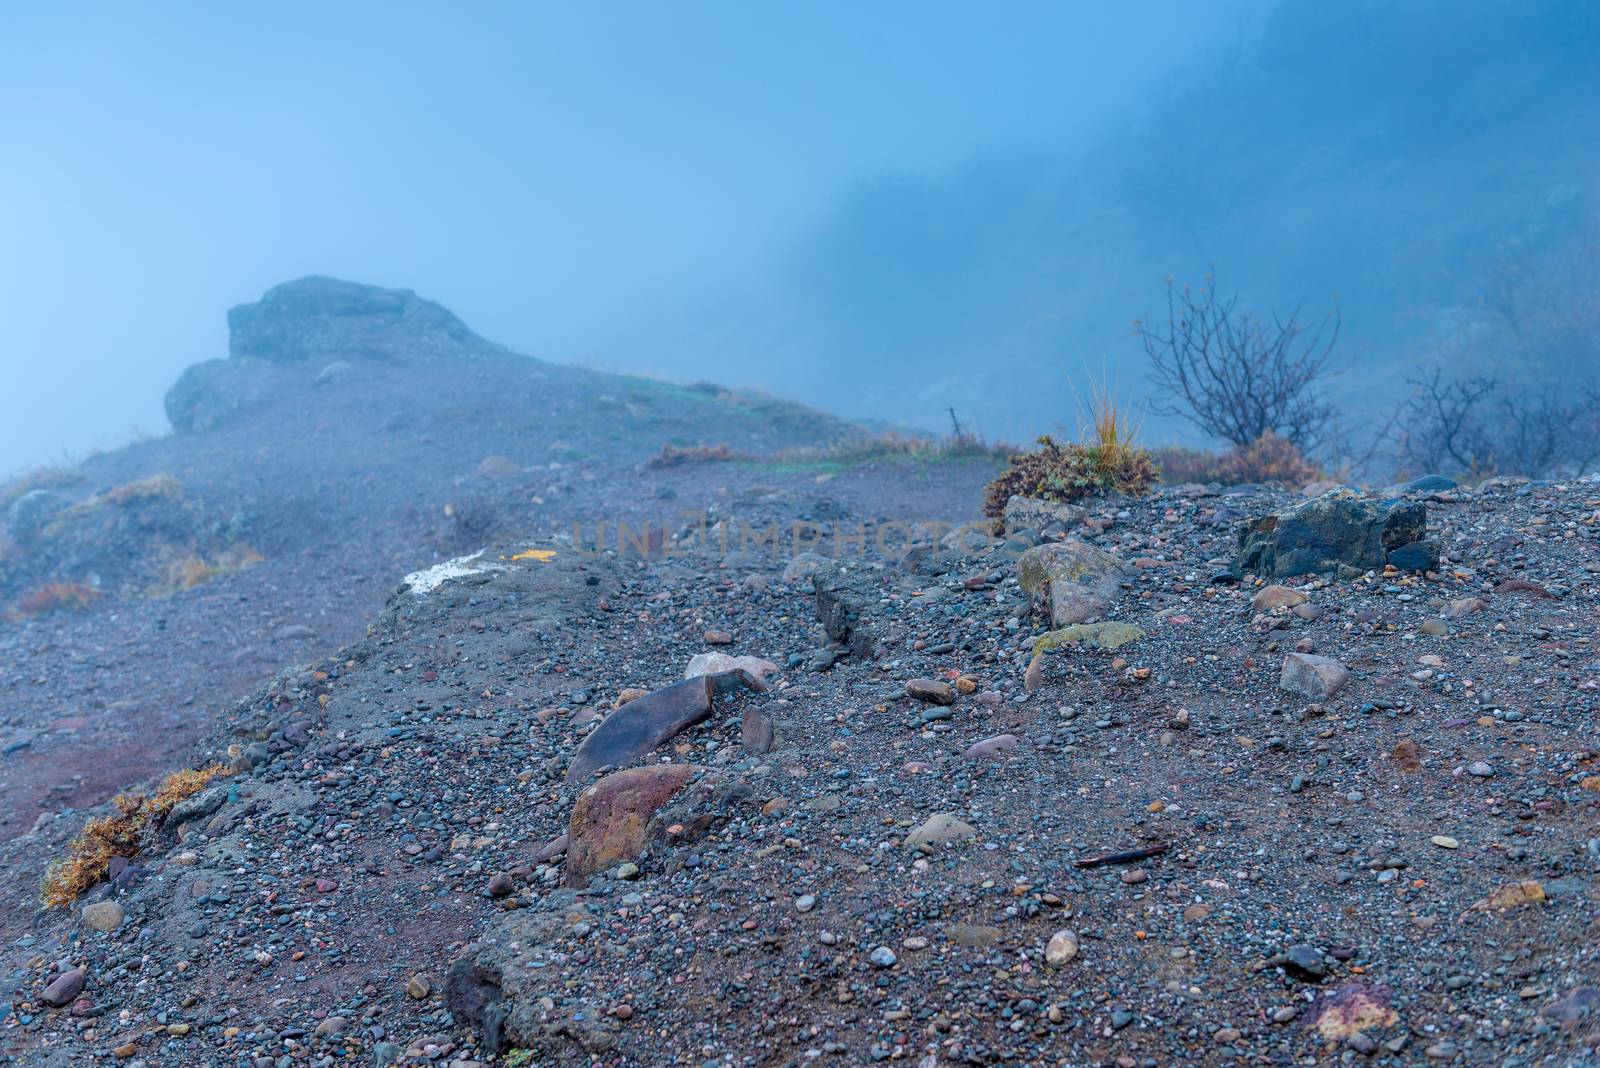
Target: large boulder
{"points": [[1340, 530], [1078, 579], [210, 394], [325, 319]]}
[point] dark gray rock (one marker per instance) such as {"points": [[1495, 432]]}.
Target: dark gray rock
{"points": [[846, 599], [1418, 556], [644, 723], [326, 319], [1340, 529]]}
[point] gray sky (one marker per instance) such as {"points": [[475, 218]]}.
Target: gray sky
{"points": [[546, 172]]}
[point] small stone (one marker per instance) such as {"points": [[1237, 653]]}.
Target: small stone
{"points": [[627, 870], [1435, 628], [718, 637], [500, 884], [419, 987], [882, 957], [1305, 962], [103, 915], [64, 988], [1480, 769], [991, 747], [805, 902], [930, 691], [1316, 677], [1134, 876], [1275, 596], [1062, 948], [1444, 841]]}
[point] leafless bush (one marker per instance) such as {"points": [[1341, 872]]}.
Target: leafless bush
{"points": [[1237, 377], [1478, 425]]}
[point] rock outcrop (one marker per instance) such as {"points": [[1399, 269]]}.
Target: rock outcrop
{"points": [[1340, 530], [321, 320]]}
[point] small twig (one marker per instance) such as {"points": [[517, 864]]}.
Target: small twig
{"points": [[1125, 857]]}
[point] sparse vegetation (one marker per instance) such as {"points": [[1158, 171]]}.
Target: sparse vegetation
{"points": [[1477, 426], [675, 455], [53, 477], [53, 596], [1236, 377], [1109, 461], [104, 838], [1269, 459], [164, 487], [891, 446], [187, 572]]}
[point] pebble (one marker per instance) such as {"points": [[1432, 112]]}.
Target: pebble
{"points": [[1444, 841], [882, 957], [805, 902], [1062, 948], [103, 915], [1480, 768]]}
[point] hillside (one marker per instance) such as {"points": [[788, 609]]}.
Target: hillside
{"points": [[798, 766]]}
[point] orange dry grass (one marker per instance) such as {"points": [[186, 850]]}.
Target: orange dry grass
{"points": [[106, 837], [54, 595]]}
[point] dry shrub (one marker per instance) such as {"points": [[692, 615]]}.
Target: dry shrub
{"points": [[673, 455], [891, 445], [55, 595], [164, 486], [35, 479], [1269, 459], [187, 572], [105, 838], [1110, 461]]}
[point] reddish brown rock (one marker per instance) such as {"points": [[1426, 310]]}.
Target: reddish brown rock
{"points": [[755, 733], [931, 691], [610, 819]]}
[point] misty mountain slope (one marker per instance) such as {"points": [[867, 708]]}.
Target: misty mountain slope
{"points": [[1390, 161], [353, 436]]}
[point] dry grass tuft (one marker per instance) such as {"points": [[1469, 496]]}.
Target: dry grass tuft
{"points": [[143, 490], [105, 838], [187, 572], [1109, 460], [673, 455], [55, 595]]}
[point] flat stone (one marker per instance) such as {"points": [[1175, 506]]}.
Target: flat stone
{"points": [[715, 663], [940, 828], [642, 724], [992, 747], [1275, 596], [1108, 634]]}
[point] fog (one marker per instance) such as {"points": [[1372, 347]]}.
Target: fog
{"points": [[881, 209]]}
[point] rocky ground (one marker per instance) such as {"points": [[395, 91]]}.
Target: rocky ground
{"points": [[1208, 818]]}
